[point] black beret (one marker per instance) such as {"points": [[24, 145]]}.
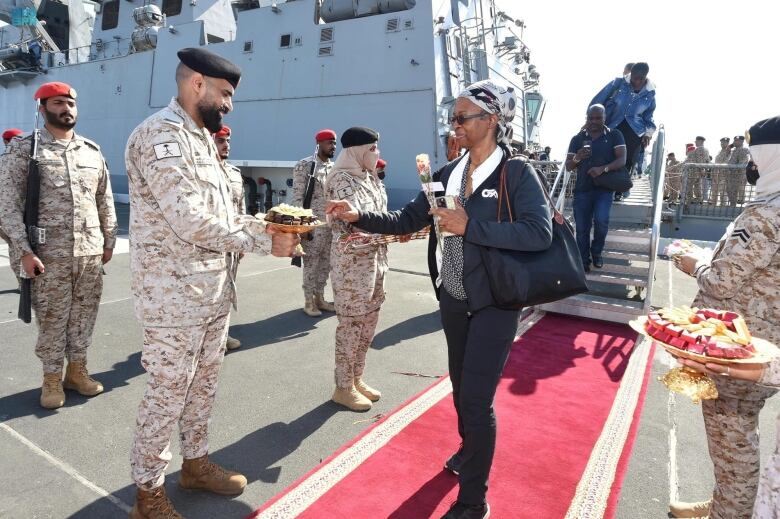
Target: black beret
{"points": [[358, 136], [765, 132], [724, 139], [700, 138], [210, 64]]}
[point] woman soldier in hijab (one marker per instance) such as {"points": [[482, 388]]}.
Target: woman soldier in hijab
{"points": [[743, 276], [479, 333], [357, 276]]}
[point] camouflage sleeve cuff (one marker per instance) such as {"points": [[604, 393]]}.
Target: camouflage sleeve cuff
{"points": [[24, 247], [770, 376], [109, 242]]}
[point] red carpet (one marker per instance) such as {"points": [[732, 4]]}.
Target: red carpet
{"points": [[552, 404]]}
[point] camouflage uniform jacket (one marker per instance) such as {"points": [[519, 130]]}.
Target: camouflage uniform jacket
{"points": [[698, 156], [357, 276], [236, 187], [739, 156], [723, 156], [744, 273], [76, 204], [300, 181], [183, 223]]}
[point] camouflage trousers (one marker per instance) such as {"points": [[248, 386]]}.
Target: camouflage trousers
{"points": [[735, 187], [768, 499], [316, 262], [183, 365], [66, 299], [731, 422], [353, 338]]}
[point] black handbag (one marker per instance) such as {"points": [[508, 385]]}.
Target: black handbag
{"points": [[618, 181], [519, 279]]}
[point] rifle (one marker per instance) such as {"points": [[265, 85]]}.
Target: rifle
{"points": [[296, 261], [35, 235]]}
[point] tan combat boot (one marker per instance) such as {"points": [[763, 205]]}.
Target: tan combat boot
{"points": [[690, 510], [232, 343], [77, 378], [351, 399], [325, 306], [310, 307], [367, 391], [52, 395], [201, 474], [153, 504]]}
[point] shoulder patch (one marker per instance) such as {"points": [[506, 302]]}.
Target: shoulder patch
{"points": [[167, 150], [345, 192], [742, 235], [91, 144]]}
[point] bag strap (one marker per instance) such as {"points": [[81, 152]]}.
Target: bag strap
{"points": [[503, 194]]}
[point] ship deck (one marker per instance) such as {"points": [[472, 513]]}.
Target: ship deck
{"points": [[273, 402]]}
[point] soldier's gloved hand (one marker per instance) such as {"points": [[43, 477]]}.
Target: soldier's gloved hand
{"points": [[282, 244], [341, 210], [32, 265]]}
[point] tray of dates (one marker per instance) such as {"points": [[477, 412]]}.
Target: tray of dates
{"points": [[705, 335]]}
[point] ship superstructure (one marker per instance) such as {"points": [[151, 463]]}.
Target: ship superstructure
{"points": [[394, 65]]}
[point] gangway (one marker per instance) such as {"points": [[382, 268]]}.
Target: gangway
{"points": [[621, 290]]}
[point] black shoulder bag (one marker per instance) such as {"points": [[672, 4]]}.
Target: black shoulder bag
{"points": [[520, 279]]}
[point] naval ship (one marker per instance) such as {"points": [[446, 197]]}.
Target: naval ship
{"points": [[393, 65]]}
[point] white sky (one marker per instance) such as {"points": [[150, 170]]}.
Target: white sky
{"points": [[716, 64]]}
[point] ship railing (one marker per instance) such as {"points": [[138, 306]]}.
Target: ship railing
{"points": [[97, 50], [709, 191], [657, 176], [557, 178]]}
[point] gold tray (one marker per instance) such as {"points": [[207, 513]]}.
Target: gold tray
{"points": [[297, 229], [765, 350]]}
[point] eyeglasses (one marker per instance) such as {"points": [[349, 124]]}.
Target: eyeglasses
{"points": [[460, 119]]}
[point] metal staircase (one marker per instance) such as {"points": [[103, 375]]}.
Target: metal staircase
{"points": [[621, 290]]}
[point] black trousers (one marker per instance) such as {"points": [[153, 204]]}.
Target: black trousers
{"points": [[477, 346], [633, 142]]}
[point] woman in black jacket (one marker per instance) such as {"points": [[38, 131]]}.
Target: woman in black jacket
{"points": [[479, 333]]}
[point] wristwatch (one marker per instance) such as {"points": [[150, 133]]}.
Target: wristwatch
{"points": [[606, 169]]}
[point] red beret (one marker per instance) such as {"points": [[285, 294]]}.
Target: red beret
{"points": [[54, 88], [325, 135], [380, 164], [11, 133], [223, 132]]}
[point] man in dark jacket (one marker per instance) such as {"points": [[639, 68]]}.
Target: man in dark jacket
{"points": [[592, 152]]}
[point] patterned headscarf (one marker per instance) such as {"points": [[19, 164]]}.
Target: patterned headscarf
{"points": [[494, 99]]}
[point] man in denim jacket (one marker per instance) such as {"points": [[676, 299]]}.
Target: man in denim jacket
{"points": [[630, 103]]}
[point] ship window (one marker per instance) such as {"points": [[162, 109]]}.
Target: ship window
{"points": [[326, 50], [210, 38], [284, 41], [248, 46], [171, 7], [392, 25], [110, 15], [326, 35], [298, 41], [408, 24]]}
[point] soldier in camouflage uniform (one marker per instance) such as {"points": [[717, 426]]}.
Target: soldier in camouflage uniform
{"points": [[735, 182], [13, 258], [185, 236], [358, 276], [77, 211], [742, 276], [222, 140], [316, 244], [672, 179], [719, 176], [696, 177]]}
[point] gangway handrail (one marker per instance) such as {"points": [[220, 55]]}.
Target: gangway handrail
{"points": [[658, 171]]}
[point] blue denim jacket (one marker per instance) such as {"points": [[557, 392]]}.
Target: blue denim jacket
{"points": [[622, 103]]}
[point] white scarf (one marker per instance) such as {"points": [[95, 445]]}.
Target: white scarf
{"points": [[767, 158]]}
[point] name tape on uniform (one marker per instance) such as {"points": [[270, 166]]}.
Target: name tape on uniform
{"points": [[167, 150], [345, 192]]}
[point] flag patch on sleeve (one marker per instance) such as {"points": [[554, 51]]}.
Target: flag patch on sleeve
{"points": [[167, 150]]}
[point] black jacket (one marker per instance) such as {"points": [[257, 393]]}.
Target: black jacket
{"points": [[531, 230]]}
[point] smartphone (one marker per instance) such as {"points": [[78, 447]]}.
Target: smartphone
{"points": [[445, 202]]}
